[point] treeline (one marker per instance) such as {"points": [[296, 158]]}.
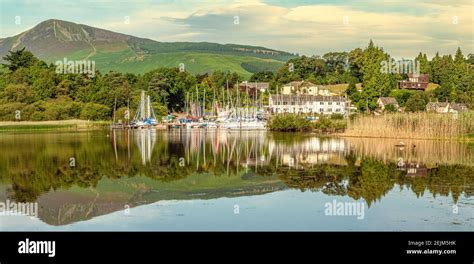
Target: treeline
{"points": [[453, 77], [30, 89]]}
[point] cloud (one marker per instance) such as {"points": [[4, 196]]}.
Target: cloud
{"points": [[402, 27]]}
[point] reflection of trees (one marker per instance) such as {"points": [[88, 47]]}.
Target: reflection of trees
{"points": [[373, 179], [39, 164]]}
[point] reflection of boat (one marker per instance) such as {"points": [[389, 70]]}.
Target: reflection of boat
{"points": [[400, 145], [145, 139]]}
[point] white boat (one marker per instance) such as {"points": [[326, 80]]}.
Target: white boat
{"points": [[145, 116], [244, 124]]}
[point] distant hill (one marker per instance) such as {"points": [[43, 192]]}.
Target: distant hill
{"points": [[53, 40]]}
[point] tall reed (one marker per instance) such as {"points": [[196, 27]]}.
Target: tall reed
{"points": [[412, 125]]}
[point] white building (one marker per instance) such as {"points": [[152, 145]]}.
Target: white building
{"points": [[305, 87], [308, 104]]}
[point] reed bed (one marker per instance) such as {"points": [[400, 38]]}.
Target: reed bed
{"points": [[430, 152], [413, 125]]}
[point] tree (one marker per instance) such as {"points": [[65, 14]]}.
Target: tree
{"points": [[20, 93], [93, 111], [19, 59], [402, 96], [390, 108], [265, 76], [351, 89], [355, 63], [417, 102], [465, 90], [423, 61]]}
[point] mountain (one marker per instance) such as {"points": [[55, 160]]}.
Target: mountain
{"points": [[54, 40]]}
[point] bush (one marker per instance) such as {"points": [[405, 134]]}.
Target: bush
{"points": [[416, 102], [289, 122], [327, 125], [93, 111], [337, 116], [8, 111], [390, 108]]}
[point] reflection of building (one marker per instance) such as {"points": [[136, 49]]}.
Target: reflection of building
{"points": [[308, 104], [413, 169], [415, 81], [309, 152]]}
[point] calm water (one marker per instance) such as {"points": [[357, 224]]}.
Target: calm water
{"points": [[178, 180]]}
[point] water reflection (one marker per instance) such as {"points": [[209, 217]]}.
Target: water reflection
{"points": [[131, 168]]}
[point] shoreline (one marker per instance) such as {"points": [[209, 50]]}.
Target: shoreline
{"points": [[84, 125]]}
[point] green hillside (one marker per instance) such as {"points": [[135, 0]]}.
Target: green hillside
{"points": [[54, 40]]}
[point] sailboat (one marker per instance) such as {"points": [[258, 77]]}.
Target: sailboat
{"points": [[242, 118], [145, 116]]}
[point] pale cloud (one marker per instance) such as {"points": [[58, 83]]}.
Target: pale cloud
{"points": [[402, 27]]}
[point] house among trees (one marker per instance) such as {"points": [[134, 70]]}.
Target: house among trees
{"points": [[446, 107], [252, 87], [306, 88], [415, 81], [438, 107], [308, 104], [386, 103]]}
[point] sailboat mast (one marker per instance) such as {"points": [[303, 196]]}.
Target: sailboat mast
{"points": [[204, 103], [198, 109], [142, 105], [148, 107]]}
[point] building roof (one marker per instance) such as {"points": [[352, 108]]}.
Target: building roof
{"points": [[418, 75], [253, 85], [458, 107], [306, 98], [301, 84], [388, 100], [433, 105]]}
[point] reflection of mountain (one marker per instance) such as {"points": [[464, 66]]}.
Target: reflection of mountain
{"points": [[66, 206], [143, 167]]}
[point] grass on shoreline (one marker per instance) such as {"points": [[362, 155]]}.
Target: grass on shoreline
{"points": [[57, 125], [413, 126]]}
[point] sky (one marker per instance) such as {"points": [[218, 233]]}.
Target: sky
{"points": [[310, 27]]}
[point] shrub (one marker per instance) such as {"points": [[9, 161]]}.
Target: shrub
{"points": [[93, 111], [8, 111], [289, 122]]}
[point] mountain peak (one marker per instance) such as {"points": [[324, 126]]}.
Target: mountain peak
{"points": [[55, 39]]}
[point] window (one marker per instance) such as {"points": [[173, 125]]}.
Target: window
{"points": [[321, 103], [329, 110], [338, 103], [338, 110], [329, 103], [321, 110]]}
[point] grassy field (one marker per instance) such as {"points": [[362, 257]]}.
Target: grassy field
{"points": [[62, 125], [194, 62]]}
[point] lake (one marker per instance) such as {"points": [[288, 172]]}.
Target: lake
{"points": [[221, 180]]}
